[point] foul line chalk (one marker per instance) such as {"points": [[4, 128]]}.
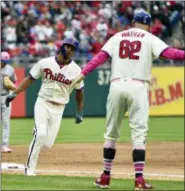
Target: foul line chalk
{"points": [[89, 173]]}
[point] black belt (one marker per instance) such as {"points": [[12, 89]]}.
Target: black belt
{"points": [[4, 94]]}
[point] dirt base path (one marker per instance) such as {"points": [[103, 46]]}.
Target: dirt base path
{"points": [[165, 158]]}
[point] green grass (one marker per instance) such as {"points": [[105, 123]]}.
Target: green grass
{"points": [[19, 182], [92, 130]]}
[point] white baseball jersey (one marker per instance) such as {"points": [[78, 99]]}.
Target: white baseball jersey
{"points": [[10, 72], [56, 81], [132, 52]]}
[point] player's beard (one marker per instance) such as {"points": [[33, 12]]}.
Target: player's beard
{"points": [[67, 58]]}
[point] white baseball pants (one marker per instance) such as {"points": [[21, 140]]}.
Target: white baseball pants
{"points": [[5, 121], [132, 96], [47, 123]]}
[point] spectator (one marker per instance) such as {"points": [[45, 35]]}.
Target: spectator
{"points": [[22, 30], [76, 26], [9, 33], [157, 27], [43, 21], [49, 32], [102, 28]]}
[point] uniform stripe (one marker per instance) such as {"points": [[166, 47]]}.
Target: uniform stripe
{"points": [[141, 172], [139, 162], [107, 163], [138, 169], [106, 169], [32, 146], [107, 160], [139, 165]]}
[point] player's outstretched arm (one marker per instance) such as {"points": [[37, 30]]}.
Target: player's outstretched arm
{"points": [[77, 80], [96, 61], [23, 85], [173, 54], [80, 106]]}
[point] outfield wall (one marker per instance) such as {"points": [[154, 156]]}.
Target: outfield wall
{"points": [[166, 94]]}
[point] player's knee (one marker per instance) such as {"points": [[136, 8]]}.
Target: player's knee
{"points": [[6, 123], [110, 144], [137, 124], [111, 137], [41, 131], [139, 139], [139, 146], [48, 144], [112, 134], [41, 134], [139, 142]]}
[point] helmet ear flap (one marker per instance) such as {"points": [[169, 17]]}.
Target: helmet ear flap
{"points": [[62, 50]]}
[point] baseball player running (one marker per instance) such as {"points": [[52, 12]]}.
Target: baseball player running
{"points": [[131, 52], [57, 73], [8, 83]]}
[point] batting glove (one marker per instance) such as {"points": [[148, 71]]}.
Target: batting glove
{"points": [[10, 98], [79, 117]]}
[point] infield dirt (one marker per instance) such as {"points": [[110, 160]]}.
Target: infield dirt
{"points": [[161, 158]]}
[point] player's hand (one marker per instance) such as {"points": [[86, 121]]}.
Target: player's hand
{"points": [[78, 79], [11, 97], [79, 117]]}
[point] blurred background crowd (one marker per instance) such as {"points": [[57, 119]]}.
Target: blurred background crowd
{"points": [[31, 30]]}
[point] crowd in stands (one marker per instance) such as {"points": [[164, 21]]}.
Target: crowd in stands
{"points": [[36, 28]]}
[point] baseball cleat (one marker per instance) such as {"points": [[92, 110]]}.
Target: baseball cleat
{"points": [[6, 149], [140, 184], [29, 172], [103, 181]]}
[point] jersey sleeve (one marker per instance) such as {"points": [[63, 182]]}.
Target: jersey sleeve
{"points": [[108, 46], [79, 85], [36, 71], [158, 46]]}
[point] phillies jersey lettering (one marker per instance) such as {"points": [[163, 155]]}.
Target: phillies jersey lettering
{"points": [[57, 76], [56, 81], [132, 53]]}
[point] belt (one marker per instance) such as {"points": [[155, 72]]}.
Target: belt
{"points": [[54, 103], [4, 94], [49, 101], [129, 79]]}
